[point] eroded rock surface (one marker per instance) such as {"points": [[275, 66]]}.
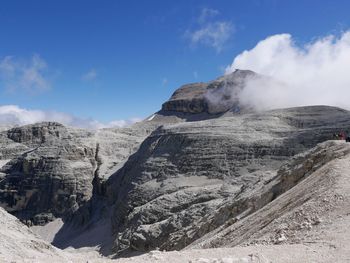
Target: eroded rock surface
{"points": [[314, 211], [188, 179], [19, 244], [49, 170], [213, 183]]}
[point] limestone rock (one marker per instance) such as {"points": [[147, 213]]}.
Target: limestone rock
{"points": [[188, 179], [313, 209], [19, 244], [217, 96], [49, 170]]}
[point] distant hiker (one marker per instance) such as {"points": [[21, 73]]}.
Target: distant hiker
{"points": [[342, 135], [348, 139], [339, 136]]}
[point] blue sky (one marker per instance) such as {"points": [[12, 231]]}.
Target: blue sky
{"points": [[113, 60]]}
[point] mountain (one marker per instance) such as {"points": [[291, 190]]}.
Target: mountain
{"points": [[308, 223], [188, 179], [217, 96], [48, 170], [200, 101], [205, 171]]}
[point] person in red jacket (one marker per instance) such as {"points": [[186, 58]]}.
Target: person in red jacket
{"points": [[342, 135]]}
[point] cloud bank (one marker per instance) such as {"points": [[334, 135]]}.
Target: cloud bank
{"points": [[30, 76], [316, 73], [13, 115]]}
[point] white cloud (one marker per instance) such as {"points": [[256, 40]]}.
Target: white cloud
{"points": [[90, 75], [21, 75], [316, 73], [14, 115], [122, 123], [210, 33], [206, 14]]}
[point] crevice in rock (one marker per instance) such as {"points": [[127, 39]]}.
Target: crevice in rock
{"points": [[98, 184]]}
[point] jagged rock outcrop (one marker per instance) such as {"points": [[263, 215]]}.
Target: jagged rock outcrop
{"points": [[48, 170], [188, 179], [217, 96]]}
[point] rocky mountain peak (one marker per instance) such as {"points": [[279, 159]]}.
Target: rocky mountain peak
{"points": [[214, 97]]}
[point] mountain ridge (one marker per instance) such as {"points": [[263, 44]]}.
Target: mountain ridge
{"points": [[192, 175]]}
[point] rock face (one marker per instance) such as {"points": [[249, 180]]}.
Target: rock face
{"points": [[217, 96], [220, 182], [53, 175], [188, 179], [315, 210], [48, 170]]}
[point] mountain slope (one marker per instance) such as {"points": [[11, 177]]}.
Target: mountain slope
{"points": [[188, 179], [18, 243], [308, 223], [314, 211]]}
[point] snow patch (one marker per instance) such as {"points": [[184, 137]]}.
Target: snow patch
{"points": [[151, 118]]}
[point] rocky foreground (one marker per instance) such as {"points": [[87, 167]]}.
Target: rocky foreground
{"points": [[212, 182]]}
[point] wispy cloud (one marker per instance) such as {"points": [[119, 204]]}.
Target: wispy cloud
{"points": [[24, 75], [210, 32], [206, 14], [214, 35], [91, 75], [164, 81], [15, 115]]}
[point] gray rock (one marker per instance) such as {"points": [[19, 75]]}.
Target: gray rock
{"points": [[215, 97], [211, 164], [188, 179], [19, 244], [48, 170], [310, 188]]}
